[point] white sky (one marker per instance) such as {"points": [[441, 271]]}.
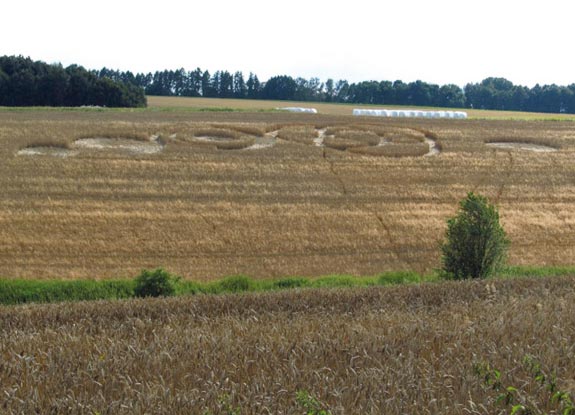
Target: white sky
{"points": [[441, 41]]}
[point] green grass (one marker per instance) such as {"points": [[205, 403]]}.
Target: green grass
{"points": [[20, 291], [531, 271]]}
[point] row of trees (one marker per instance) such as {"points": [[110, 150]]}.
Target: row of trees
{"points": [[501, 94], [223, 84], [24, 82], [491, 93]]}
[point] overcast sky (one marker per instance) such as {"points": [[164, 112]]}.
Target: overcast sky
{"points": [[441, 41]]}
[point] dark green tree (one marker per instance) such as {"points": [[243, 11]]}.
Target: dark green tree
{"points": [[240, 88], [421, 93], [52, 87], [194, 83], [156, 283], [450, 96], [280, 87], [79, 86], [401, 91], [254, 86], [386, 93], [329, 90], [476, 244], [4, 83], [207, 87], [342, 91], [226, 85]]}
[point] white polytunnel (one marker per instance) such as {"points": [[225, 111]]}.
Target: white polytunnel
{"points": [[410, 113], [299, 109]]}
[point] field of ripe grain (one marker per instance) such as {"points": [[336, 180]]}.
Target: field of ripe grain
{"points": [[401, 350], [217, 104], [102, 194]]}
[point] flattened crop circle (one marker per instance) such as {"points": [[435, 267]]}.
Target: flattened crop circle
{"points": [[230, 139], [366, 139], [120, 144]]}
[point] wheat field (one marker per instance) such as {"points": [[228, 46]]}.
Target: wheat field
{"points": [[217, 104], [409, 349], [102, 194]]}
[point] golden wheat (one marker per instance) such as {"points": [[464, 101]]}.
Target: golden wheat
{"points": [[287, 209], [408, 349], [304, 134]]}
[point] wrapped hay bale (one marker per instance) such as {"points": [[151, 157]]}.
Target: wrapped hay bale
{"points": [[409, 113], [299, 109]]}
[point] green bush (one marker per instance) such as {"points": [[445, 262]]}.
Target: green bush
{"points": [[476, 244], [156, 283]]}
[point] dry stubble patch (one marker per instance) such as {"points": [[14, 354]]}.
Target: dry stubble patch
{"points": [[353, 138], [237, 144], [226, 136], [393, 150], [302, 134], [246, 129], [537, 144]]}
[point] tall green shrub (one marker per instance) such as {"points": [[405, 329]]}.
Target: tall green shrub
{"points": [[156, 283], [476, 244]]}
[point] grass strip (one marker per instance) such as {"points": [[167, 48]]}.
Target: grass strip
{"points": [[22, 291], [19, 291], [532, 271]]}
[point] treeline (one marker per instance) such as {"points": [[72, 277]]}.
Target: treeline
{"points": [[501, 94], [24, 82], [491, 93]]}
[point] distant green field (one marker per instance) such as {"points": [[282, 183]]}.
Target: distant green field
{"points": [[220, 104]]}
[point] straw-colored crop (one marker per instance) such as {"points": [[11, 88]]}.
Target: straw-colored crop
{"points": [[286, 208], [402, 350]]}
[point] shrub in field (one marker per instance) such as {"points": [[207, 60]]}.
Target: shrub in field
{"points": [[156, 283], [476, 244]]}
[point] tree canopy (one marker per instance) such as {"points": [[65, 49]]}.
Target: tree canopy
{"points": [[491, 93], [25, 82]]}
